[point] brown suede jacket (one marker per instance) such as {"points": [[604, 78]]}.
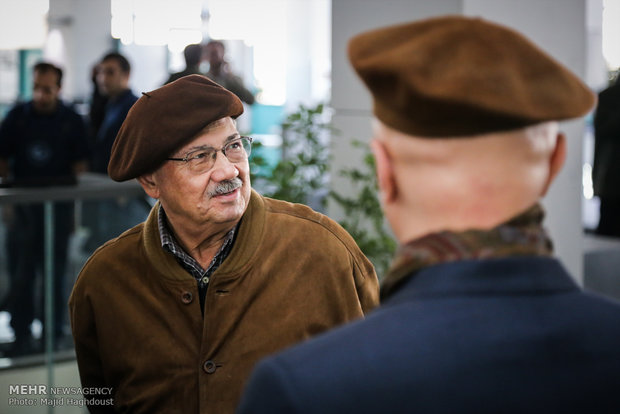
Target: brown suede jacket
{"points": [[138, 328]]}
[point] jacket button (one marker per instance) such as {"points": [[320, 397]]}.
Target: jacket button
{"points": [[209, 367], [187, 297]]}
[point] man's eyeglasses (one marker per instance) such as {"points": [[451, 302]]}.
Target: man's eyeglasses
{"points": [[202, 160]]}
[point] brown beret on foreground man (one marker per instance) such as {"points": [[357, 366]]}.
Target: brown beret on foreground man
{"points": [[174, 313], [476, 315]]}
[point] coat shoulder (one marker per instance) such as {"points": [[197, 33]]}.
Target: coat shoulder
{"points": [[286, 213], [117, 250]]}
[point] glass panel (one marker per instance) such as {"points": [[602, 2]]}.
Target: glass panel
{"points": [[77, 223]]}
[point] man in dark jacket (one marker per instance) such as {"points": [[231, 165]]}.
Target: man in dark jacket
{"points": [[606, 168], [113, 82], [476, 316], [42, 142], [221, 72], [192, 54], [107, 218]]}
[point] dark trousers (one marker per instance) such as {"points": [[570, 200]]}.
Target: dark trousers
{"points": [[609, 222], [26, 264]]}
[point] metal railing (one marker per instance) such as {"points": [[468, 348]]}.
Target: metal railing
{"points": [[89, 187]]}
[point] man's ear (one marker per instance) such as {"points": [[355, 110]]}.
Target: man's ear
{"points": [[149, 184], [556, 161], [385, 172]]}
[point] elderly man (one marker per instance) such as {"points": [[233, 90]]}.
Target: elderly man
{"points": [[173, 314], [476, 316]]}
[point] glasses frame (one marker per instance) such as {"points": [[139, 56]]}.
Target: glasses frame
{"points": [[187, 158]]}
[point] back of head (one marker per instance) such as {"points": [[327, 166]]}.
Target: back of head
{"points": [[192, 54], [467, 116]]}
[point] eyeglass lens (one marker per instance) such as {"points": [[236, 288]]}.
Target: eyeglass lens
{"points": [[236, 151]]}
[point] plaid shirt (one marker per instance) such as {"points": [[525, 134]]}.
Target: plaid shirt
{"points": [[202, 276]]}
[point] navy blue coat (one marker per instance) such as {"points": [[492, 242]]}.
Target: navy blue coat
{"points": [[115, 113], [512, 335]]}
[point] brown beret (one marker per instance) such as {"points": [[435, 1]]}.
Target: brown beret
{"points": [[459, 76], [164, 120]]}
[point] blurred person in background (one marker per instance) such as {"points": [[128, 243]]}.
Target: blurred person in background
{"points": [[193, 56], [42, 142], [112, 76], [97, 104], [221, 72], [107, 218], [606, 166]]}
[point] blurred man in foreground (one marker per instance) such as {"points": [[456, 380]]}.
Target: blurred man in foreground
{"points": [[476, 316]]}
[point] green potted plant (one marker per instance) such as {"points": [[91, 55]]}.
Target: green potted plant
{"points": [[302, 176]]}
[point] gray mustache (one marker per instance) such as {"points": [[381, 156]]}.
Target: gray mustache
{"points": [[226, 187]]}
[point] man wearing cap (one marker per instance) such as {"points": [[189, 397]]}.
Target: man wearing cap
{"points": [[173, 314], [477, 316]]}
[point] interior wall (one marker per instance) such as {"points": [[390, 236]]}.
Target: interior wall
{"points": [[350, 100], [85, 29]]}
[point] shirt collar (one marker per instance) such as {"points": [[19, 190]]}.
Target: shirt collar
{"points": [[170, 244]]}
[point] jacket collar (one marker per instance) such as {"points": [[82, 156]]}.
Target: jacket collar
{"points": [[249, 238], [498, 276], [247, 243], [522, 235]]}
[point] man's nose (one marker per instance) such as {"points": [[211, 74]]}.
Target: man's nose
{"points": [[223, 169]]}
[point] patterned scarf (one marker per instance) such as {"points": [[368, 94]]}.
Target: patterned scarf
{"points": [[520, 236]]}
